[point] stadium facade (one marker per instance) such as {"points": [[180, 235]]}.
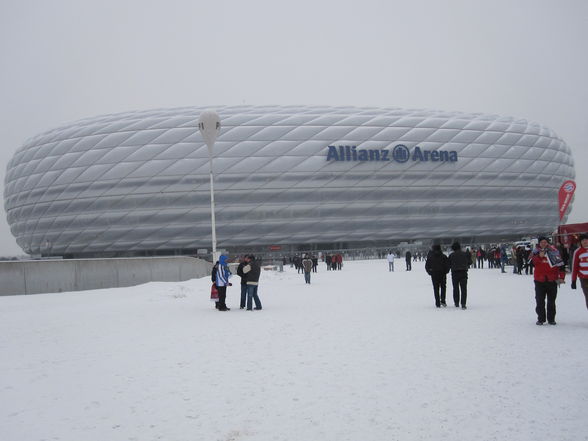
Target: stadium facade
{"points": [[292, 177]]}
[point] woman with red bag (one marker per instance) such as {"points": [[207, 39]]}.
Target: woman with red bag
{"points": [[220, 277]]}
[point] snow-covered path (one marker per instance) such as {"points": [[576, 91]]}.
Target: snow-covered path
{"points": [[360, 354]]}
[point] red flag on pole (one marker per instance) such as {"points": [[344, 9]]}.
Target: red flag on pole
{"points": [[566, 191]]}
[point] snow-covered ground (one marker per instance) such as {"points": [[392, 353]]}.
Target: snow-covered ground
{"points": [[360, 354]]}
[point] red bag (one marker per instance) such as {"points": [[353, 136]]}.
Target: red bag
{"points": [[213, 293]]}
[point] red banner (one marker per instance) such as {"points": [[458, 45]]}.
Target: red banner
{"points": [[566, 191]]}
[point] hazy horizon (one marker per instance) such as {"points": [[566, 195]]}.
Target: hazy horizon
{"points": [[67, 60]]}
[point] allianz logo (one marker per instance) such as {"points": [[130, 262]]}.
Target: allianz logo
{"points": [[400, 153]]}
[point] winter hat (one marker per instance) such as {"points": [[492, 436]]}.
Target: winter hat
{"points": [[543, 238], [456, 246], [583, 236]]}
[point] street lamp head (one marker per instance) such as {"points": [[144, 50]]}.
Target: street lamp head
{"points": [[209, 125]]}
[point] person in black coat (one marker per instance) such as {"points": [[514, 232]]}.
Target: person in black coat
{"points": [[459, 264], [252, 271], [437, 266], [408, 258], [240, 273]]}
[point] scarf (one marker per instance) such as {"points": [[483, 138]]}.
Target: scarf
{"points": [[552, 254]]}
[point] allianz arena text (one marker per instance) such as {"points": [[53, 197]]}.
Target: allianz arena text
{"points": [[137, 183]]}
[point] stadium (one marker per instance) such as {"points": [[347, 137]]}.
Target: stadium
{"points": [[286, 178]]}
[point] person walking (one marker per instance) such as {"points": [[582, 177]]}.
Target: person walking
{"points": [[437, 266], [298, 263], [390, 258], [503, 258], [481, 255], [549, 273], [334, 262], [408, 258], [520, 259], [241, 274], [459, 263], [252, 270], [580, 266], [220, 276], [307, 265], [328, 259], [530, 267]]}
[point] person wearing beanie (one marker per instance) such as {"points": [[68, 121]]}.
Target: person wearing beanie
{"points": [[549, 273], [437, 266], [252, 271], [459, 264], [580, 266], [220, 276]]}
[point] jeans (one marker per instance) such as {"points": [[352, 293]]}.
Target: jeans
{"points": [[390, 266], [252, 294], [306, 277], [243, 294], [459, 280], [439, 283]]}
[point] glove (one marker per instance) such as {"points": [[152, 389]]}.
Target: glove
{"points": [[573, 285], [230, 284]]}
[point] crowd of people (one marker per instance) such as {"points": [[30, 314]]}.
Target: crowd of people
{"points": [[545, 262]]}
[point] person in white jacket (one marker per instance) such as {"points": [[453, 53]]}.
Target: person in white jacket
{"points": [[390, 258]]}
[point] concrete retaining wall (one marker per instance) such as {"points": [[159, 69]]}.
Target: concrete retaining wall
{"points": [[49, 276]]}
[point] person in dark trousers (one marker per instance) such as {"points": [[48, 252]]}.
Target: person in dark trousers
{"points": [[240, 273], [408, 257], [481, 255], [328, 259], [459, 264], [314, 264], [549, 273], [252, 270], [437, 266], [580, 266], [307, 265], [339, 261], [520, 260], [298, 263], [220, 276]]}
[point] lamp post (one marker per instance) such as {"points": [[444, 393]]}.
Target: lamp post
{"points": [[209, 125]]}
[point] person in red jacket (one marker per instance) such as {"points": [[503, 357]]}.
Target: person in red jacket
{"points": [[549, 273], [580, 266]]}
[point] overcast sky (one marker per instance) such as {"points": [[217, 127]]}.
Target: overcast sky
{"points": [[66, 60]]}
